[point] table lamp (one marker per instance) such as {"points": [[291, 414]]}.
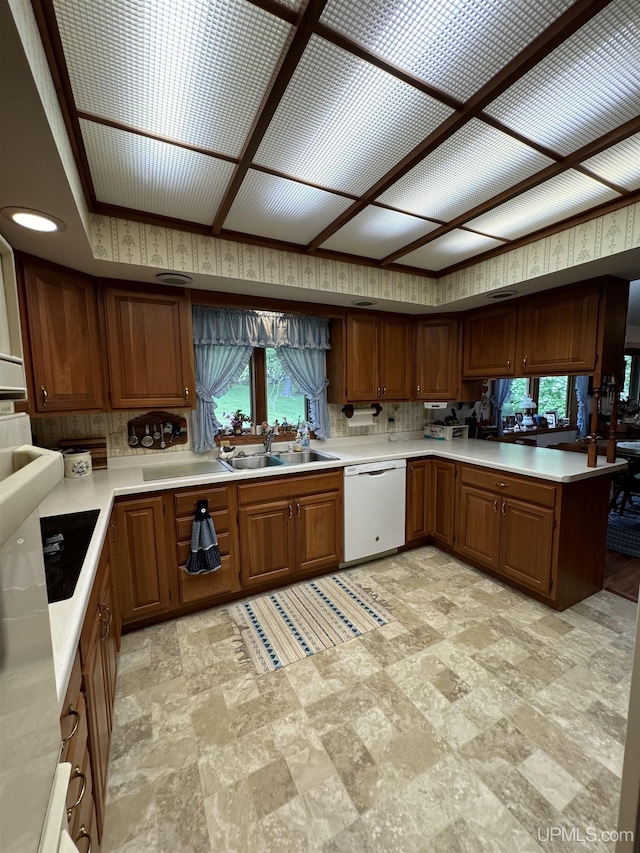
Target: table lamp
{"points": [[528, 407]]}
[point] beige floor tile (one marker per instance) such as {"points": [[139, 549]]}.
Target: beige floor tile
{"points": [[182, 823], [272, 787], [130, 817], [309, 764], [232, 820], [355, 765], [550, 779]]}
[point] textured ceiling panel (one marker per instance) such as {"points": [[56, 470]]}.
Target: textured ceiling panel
{"points": [[449, 249], [620, 164], [283, 210], [191, 70], [455, 45], [343, 123], [473, 165], [585, 88], [565, 195], [143, 174], [376, 232]]}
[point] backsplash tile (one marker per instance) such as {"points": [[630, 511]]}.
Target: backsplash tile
{"points": [[408, 417], [109, 425]]}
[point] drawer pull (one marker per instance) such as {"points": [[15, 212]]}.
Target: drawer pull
{"points": [[502, 485], [84, 834], [71, 712], [504, 503], [45, 395], [495, 505], [105, 625], [77, 774], [109, 613]]}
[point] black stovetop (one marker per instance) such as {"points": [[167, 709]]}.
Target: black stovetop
{"points": [[65, 540]]}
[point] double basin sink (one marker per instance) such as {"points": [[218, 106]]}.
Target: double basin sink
{"points": [[273, 460]]}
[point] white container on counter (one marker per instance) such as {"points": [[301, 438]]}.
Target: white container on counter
{"points": [[77, 463]]}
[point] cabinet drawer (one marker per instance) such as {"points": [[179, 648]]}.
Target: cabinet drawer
{"points": [[80, 788], [509, 485], [70, 716], [281, 488], [221, 521], [198, 587], [74, 748], [224, 543], [186, 502]]}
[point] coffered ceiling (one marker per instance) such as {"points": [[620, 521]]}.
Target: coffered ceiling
{"points": [[416, 134]]}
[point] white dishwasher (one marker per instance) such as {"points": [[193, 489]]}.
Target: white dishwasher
{"points": [[374, 508]]}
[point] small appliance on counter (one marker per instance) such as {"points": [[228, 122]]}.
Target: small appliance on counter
{"points": [[443, 427]]}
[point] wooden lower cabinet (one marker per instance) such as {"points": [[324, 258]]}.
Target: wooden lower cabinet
{"points": [[478, 526], [526, 544], [289, 527], [418, 515], [141, 558], [443, 501]]}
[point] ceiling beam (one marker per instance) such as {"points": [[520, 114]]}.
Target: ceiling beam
{"points": [[572, 160], [307, 19], [561, 29]]}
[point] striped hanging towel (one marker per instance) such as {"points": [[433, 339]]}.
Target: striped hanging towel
{"points": [[205, 554]]}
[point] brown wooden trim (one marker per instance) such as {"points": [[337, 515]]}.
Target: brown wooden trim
{"points": [[158, 137], [359, 50], [103, 209], [52, 43], [285, 13], [602, 209], [264, 303], [276, 174], [308, 17], [567, 24], [258, 386], [589, 174]]}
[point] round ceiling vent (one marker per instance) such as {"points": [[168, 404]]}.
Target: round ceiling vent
{"points": [[502, 294], [363, 303], [178, 278]]}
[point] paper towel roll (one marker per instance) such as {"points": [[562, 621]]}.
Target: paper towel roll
{"points": [[360, 418]]}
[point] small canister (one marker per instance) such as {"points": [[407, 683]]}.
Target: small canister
{"points": [[77, 463]]}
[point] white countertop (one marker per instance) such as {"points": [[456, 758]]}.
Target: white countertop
{"points": [[124, 478]]}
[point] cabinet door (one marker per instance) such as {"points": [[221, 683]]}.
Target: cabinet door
{"points": [[141, 558], [443, 501], [362, 357], [395, 359], [489, 343], [266, 542], [437, 360], [98, 715], [318, 532], [150, 349], [559, 332], [62, 323], [526, 543], [418, 523], [478, 526]]}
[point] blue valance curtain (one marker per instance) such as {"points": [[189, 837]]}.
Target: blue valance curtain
{"points": [[582, 387], [223, 341], [501, 389]]}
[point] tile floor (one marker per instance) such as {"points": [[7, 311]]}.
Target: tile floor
{"points": [[475, 722]]}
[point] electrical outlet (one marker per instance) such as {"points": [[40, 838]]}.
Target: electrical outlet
{"points": [[392, 424]]}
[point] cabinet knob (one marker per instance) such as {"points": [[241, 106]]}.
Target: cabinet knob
{"points": [[186, 393], [82, 833], [77, 774], [45, 395]]}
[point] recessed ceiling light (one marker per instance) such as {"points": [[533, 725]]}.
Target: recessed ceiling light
{"points": [[363, 303], [35, 220], [502, 294], [178, 278]]}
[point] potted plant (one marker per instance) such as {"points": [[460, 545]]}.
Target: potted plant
{"points": [[237, 418]]}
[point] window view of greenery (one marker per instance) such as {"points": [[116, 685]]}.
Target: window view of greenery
{"points": [[552, 396], [628, 359], [519, 390], [237, 397], [285, 402]]}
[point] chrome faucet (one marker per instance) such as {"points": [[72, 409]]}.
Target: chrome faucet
{"points": [[268, 439]]}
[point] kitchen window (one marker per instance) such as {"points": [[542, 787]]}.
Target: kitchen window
{"points": [[552, 393]]}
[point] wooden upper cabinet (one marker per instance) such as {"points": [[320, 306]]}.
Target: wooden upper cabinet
{"points": [[149, 340], [437, 360], [489, 342], [362, 357], [557, 332], [396, 364], [62, 326]]}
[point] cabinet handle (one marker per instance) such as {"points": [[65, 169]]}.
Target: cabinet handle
{"points": [[504, 503], [384, 390], [298, 510], [495, 505], [77, 775], [524, 363], [106, 626], [417, 391], [502, 485], [290, 511], [186, 393], [71, 712], [45, 395], [508, 362], [115, 531], [84, 834], [104, 605], [378, 391]]}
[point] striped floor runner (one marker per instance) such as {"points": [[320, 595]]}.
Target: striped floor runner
{"points": [[293, 623]]}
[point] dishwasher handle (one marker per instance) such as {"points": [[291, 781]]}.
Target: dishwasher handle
{"points": [[374, 473]]}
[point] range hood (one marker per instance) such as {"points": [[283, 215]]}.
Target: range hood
{"points": [[13, 384]]}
